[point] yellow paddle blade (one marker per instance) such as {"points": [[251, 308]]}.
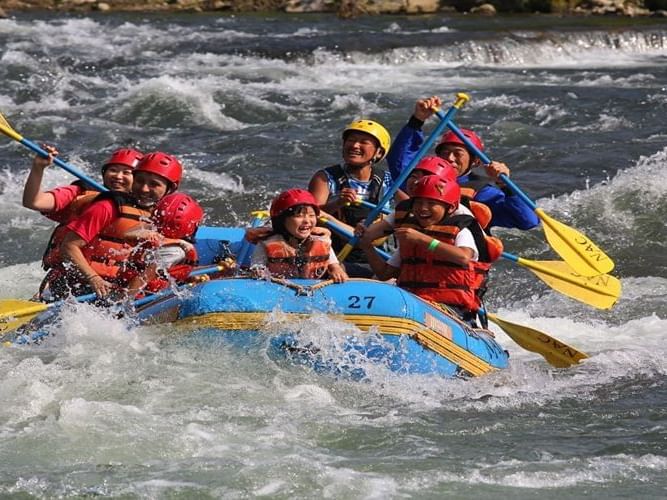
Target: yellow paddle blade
{"points": [[7, 129], [14, 313], [260, 214], [581, 253], [4, 122], [600, 291], [556, 353]]}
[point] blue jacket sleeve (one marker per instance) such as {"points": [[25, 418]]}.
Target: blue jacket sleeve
{"points": [[507, 210], [405, 147]]}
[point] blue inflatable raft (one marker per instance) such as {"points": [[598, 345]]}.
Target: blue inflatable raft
{"points": [[391, 326]]}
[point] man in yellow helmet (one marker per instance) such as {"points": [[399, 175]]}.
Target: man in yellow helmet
{"points": [[336, 188]]}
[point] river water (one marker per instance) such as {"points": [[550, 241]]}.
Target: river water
{"points": [[255, 104]]}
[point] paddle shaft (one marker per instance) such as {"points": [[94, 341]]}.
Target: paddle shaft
{"points": [[531, 265], [164, 293], [65, 166], [461, 99], [370, 205], [487, 161], [347, 234], [245, 246]]}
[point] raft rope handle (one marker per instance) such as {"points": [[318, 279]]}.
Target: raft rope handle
{"points": [[300, 289]]}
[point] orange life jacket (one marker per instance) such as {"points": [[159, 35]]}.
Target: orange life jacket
{"points": [[110, 249], [438, 280], [52, 256], [309, 260], [480, 211], [469, 189]]}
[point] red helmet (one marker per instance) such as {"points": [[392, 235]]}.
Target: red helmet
{"points": [[434, 165], [177, 215], [450, 137], [434, 187], [292, 198], [128, 157], [163, 165]]}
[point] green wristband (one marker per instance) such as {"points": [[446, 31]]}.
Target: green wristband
{"points": [[432, 246]]}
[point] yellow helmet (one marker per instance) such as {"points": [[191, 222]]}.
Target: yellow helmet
{"points": [[374, 129]]}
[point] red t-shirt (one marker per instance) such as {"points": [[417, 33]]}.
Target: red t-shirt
{"points": [[93, 219], [62, 196]]}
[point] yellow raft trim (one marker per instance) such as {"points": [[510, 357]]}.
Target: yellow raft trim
{"points": [[427, 337]]}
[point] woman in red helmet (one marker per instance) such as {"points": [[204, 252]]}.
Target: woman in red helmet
{"points": [[443, 257], [297, 248], [507, 209], [65, 203], [98, 243]]}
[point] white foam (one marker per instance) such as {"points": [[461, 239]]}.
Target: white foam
{"points": [[271, 488], [601, 198], [308, 393], [20, 280], [216, 181], [545, 113], [344, 482], [396, 27], [195, 96], [356, 103], [572, 472], [605, 122]]}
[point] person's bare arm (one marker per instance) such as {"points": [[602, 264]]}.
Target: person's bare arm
{"points": [[33, 196], [319, 187], [380, 268], [71, 249], [378, 229]]}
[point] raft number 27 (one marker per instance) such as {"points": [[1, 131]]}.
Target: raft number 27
{"points": [[357, 302]]}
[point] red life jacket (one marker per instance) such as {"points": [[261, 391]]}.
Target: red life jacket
{"points": [[309, 260], [108, 252], [52, 256], [438, 280], [480, 211]]}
